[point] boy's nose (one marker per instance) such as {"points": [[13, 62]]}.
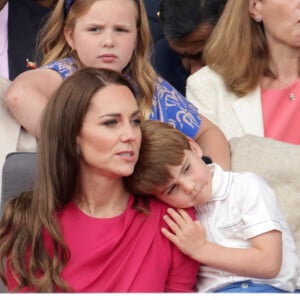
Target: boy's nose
{"points": [[188, 187]]}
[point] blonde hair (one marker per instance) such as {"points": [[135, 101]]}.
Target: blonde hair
{"points": [[237, 49], [162, 146], [53, 46]]}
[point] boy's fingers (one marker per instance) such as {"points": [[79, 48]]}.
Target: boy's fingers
{"points": [[172, 224], [176, 217], [169, 235], [184, 214]]}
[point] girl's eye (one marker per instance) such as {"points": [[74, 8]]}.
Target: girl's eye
{"points": [[121, 29], [94, 29]]}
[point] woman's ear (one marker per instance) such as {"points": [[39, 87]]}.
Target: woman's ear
{"points": [[255, 10], [195, 147]]}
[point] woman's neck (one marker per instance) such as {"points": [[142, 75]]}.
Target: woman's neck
{"points": [[102, 198], [284, 63]]}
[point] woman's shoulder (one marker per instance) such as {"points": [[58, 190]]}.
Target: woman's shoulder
{"points": [[205, 74], [158, 206]]}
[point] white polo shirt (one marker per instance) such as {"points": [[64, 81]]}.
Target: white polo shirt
{"points": [[243, 206]]}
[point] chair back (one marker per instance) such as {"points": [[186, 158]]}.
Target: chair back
{"points": [[18, 174]]}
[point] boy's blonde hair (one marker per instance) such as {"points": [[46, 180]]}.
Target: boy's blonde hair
{"points": [[162, 146]]}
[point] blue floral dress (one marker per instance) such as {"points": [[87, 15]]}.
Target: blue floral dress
{"points": [[168, 104]]}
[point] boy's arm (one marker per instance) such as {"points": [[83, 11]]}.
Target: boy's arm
{"points": [[214, 143], [262, 260]]}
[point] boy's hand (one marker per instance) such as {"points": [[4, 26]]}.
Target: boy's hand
{"points": [[188, 235]]}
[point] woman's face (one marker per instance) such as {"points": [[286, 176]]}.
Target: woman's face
{"points": [[281, 19], [110, 137], [106, 35]]}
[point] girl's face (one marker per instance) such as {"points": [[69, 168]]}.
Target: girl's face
{"points": [[106, 35], [281, 19], [191, 183], [110, 137]]}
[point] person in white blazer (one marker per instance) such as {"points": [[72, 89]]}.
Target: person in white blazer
{"points": [[13, 137], [235, 115], [251, 84]]}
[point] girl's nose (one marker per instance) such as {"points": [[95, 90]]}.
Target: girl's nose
{"points": [[108, 39]]}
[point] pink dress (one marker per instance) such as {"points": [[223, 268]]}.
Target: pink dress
{"points": [[281, 113], [126, 253]]}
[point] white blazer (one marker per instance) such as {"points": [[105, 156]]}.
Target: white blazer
{"points": [[12, 136], [235, 116]]}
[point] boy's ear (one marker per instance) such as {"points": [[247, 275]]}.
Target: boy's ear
{"points": [[195, 147]]}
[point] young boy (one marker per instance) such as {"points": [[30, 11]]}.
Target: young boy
{"points": [[241, 238]]}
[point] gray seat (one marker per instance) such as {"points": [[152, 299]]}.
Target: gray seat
{"points": [[18, 174]]}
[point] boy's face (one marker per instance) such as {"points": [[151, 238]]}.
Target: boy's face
{"points": [[191, 183]]}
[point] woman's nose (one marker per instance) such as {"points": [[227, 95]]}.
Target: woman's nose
{"points": [[129, 133]]}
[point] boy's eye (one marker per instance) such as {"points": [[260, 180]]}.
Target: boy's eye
{"points": [[171, 189], [186, 169]]}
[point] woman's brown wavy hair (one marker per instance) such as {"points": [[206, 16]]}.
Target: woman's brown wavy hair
{"points": [[27, 218]]}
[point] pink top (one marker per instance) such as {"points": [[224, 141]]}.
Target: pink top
{"points": [[126, 253], [281, 115]]}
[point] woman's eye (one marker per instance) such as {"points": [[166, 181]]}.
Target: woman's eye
{"points": [[137, 121], [110, 122]]}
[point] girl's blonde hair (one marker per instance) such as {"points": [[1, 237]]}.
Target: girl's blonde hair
{"points": [[237, 49], [53, 46]]}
